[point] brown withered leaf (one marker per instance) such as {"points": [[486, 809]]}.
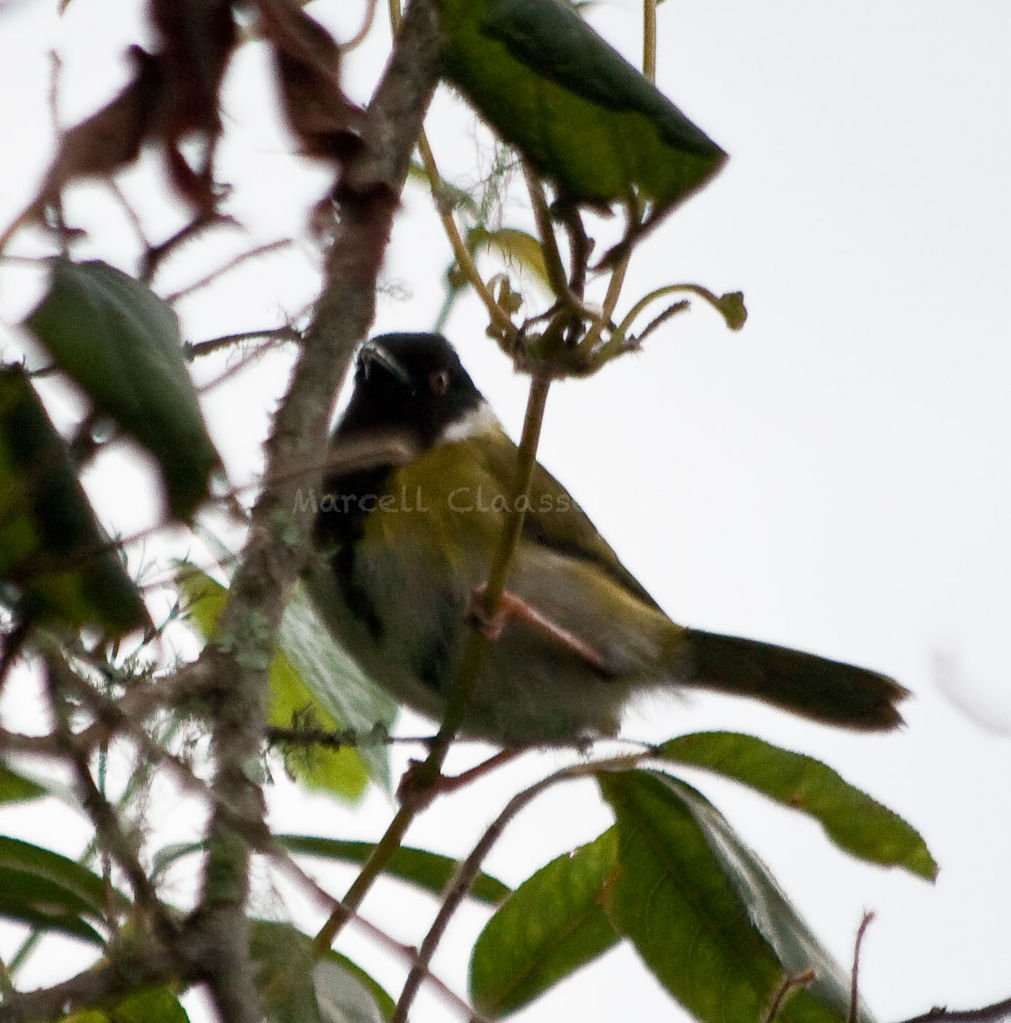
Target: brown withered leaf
{"points": [[308, 65], [198, 37], [172, 95], [110, 138]]}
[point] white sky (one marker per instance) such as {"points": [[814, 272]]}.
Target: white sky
{"points": [[835, 477]]}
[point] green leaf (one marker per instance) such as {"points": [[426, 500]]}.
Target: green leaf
{"points": [[50, 892], [16, 788], [852, 819], [514, 246], [420, 867], [56, 564], [341, 772], [120, 343], [336, 683], [296, 986], [551, 925], [578, 111], [44, 906], [88, 889], [312, 684], [704, 913]]}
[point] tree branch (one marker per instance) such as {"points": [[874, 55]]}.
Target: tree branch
{"points": [[1000, 1012], [124, 974], [280, 530]]}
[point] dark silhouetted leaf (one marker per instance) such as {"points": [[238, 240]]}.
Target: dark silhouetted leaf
{"points": [[50, 892], [308, 64], [550, 926], [197, 39], [171, 98], [102, 143], [704, 913], [851, 818], [120, 343], [56, 564]]}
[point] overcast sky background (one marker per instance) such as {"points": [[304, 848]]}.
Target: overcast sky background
{"points": [[835, 477]]}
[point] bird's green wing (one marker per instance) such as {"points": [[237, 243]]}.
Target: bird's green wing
{"points": [[554, 520]]}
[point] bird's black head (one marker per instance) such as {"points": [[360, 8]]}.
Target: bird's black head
{"points": [[410, 382]]}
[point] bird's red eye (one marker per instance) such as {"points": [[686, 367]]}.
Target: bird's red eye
{"points": [[438, 382]]}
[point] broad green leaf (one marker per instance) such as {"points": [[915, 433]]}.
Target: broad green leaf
{"points": [[576, 109], [120, 343], [851, 818], [551, 925], [310, 678], [56, 564], [296, 986], [704, 913], [420, 867], [16, 788]]}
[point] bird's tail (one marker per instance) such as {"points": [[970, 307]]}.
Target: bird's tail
{"points": [[828, 691]]}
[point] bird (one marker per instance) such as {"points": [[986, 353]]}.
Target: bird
{"points": [[408, 519]]}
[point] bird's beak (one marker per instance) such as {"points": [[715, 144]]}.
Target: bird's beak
{"points": [[374, 354]]}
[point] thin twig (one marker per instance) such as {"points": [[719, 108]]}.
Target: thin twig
{"points": [[470, 867], [195, 349], [783, 992], [854, 1012], [499, 317], [649, 40], [360, 36], [143, 966], [157, 254], [131, 213], [232, 264], [999, 1012], [59, 679]]}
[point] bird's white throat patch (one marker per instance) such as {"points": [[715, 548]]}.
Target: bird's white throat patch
{"points": [[475, 423]]}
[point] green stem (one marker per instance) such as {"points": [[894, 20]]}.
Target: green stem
{"points": [[649, 39]]}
